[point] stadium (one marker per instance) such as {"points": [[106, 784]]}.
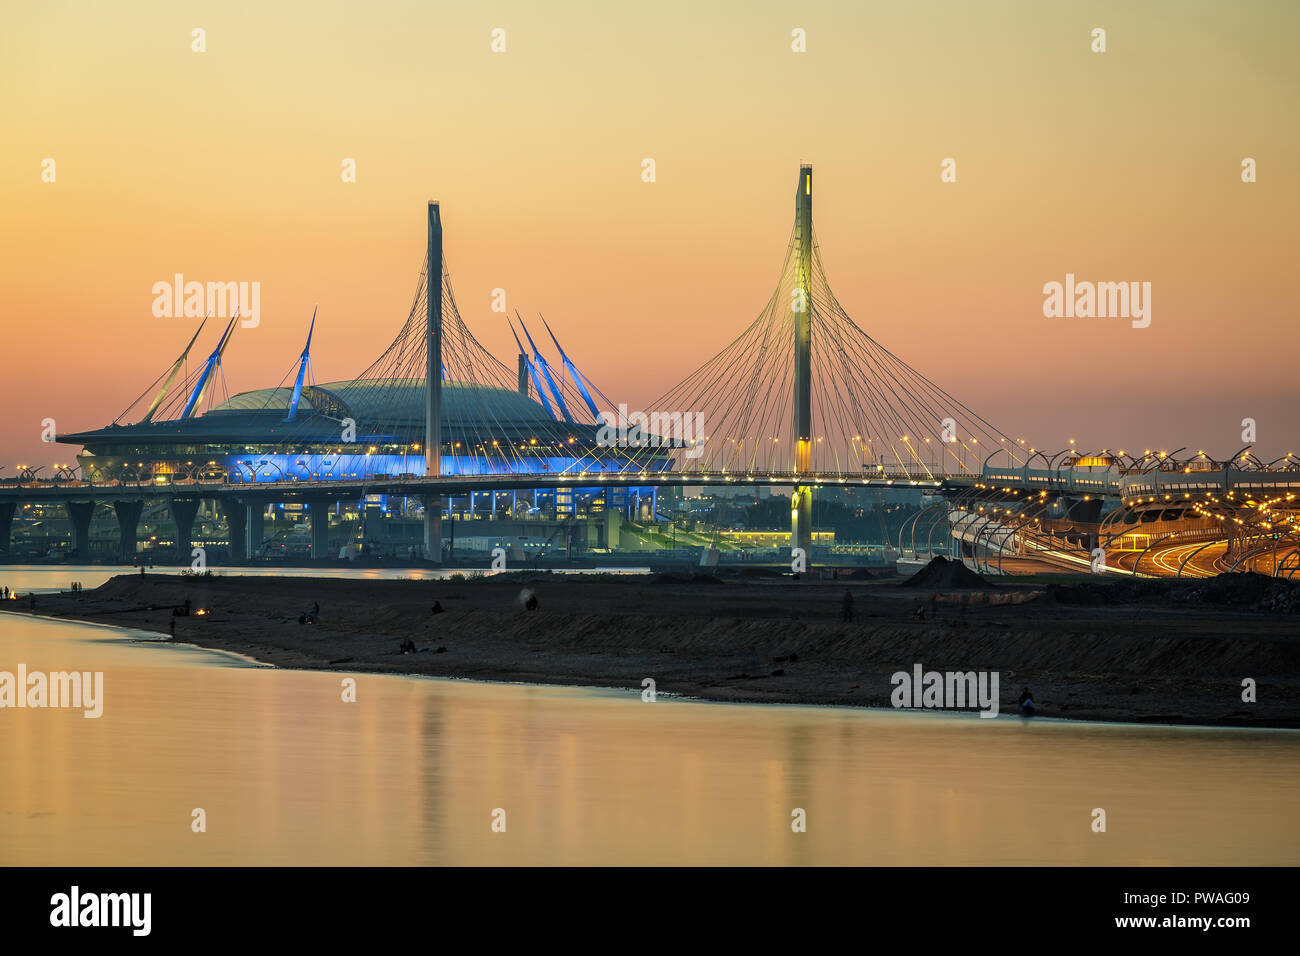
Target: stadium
{"points": [[535, 418]]}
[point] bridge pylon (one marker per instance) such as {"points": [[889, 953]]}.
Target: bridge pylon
{"points": [[433, 386], [801, 306]]}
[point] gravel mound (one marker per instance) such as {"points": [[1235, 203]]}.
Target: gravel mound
{"points": [[942, 573]]}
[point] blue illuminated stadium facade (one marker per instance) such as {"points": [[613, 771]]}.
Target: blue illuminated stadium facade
{"points": [[486, 431]]}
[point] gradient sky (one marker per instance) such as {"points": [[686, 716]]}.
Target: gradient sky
{"points": [[225, 166]]}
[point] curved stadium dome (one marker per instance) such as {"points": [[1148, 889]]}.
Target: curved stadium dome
{"points": [[395, 404]]}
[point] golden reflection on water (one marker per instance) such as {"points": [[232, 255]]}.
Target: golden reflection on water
{"points": [[411, 773]]}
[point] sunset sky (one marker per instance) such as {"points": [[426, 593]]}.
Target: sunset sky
{"points": [[225, 165]]}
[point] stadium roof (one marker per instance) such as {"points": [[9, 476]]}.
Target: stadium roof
{"points": [[383, 409], [388, 400]]}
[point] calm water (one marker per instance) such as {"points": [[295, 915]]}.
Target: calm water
{"points": [[411, 773], [26, 578]]}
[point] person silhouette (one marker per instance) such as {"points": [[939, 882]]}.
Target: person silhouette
{"points": [[1026, 702]]}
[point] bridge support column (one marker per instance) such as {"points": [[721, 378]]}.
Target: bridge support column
{"points": [[613, 529], [233, 511], [801, 521], [128, 523], [433, 528], [6, 522], [79, 514], [256, 529], [1087, 516], [319, 514], [183, 512]]}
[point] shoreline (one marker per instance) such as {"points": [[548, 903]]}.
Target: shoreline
{"points": [[749, 640], [938, 713]]}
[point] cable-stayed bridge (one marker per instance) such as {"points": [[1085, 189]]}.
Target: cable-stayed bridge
{"points": [[802, 398]]}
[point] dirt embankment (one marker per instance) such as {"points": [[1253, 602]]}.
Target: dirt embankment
{"points": [[1093, 652]]}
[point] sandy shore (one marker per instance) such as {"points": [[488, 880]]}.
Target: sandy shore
{"points": [[1156, 657]]}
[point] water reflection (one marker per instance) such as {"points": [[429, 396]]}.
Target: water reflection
{"points": [[410, 774]]}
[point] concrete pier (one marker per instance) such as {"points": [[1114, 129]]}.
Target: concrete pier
{"points": [[79, 514], [183, 512], [237, 521], [318, 513], [128, 523]]}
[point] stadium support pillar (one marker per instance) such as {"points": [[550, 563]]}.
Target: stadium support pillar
{"points": [[801, 510], [255, 529], [183, 512], [318, 512], [6, 522], [433, 385], [523, 374], [233, 511], [128, 523], [79, 514]]}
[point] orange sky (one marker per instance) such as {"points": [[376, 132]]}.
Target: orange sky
{"points": [[225, 165]]}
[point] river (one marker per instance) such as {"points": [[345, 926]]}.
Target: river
{"points": [[286, 772]]}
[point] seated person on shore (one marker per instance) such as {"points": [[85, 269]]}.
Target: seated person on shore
{"points": [[437, 607], [532, 602]]}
